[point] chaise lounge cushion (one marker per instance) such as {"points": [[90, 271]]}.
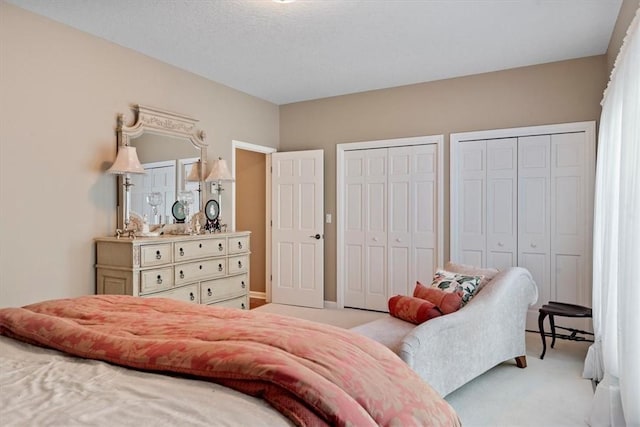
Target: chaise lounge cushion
{"points": [[486, 273]]}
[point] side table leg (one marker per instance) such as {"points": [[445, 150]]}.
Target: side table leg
{"points": [[541, 327], [553, 330]]}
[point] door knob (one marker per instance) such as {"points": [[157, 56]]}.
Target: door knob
{"points": [[317, 237]]}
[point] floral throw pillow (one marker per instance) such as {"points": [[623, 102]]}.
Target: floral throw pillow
{"points": [[466, 286]]}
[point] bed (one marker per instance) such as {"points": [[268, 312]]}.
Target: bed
{"points": [[121, 360]]}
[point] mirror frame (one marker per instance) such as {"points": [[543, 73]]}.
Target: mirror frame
{"points": [[160, 122]]}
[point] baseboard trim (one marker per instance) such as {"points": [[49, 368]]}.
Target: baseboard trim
{"points": [[330, 304], [258, 295]]}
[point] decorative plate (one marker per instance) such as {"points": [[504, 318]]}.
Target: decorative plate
{"points": [[178, 212], [212, 210]]}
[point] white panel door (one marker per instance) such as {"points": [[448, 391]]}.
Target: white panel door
{"points": [[399, 208], [502, 212], [534, 213], [159, 177], [568, 218], [354, 228], [471, 213], [375, 232], [424, 214], [297, 196]]}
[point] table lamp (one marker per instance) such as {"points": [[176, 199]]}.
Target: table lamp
{"points": [[126, 163]]}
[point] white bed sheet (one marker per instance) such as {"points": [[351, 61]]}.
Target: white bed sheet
{"points": [[41, 387]]}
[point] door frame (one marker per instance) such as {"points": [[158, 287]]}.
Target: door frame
{"points": [[438, 140], [235, 145]]}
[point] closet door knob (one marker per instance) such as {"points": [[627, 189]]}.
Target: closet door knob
{"points": [[399, 240], [375, 239], [533, 245], [500, 244]]}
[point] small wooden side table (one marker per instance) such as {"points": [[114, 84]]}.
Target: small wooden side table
{"points": [[554, 308]]}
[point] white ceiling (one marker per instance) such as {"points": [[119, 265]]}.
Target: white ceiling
{"points": [[318, 48]]}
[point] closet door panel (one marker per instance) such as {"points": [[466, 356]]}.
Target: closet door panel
{"points": [[399, 242], [354, 229], [568, 216], [472, 208], [375, 211], [534, 239], [423, 214], [502, 187]]}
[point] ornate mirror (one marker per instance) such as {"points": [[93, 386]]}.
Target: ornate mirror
{"points": [[169, 148]]}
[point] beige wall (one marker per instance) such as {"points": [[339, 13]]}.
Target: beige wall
{"points": [[627, 12], [559, 92], [60, 92], [251, 199]]}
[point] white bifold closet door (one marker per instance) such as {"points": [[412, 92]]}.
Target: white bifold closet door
{"points": [[526, 201], [390, 223]]}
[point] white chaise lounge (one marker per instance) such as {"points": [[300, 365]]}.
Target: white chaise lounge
{"points": [[451, 350]]}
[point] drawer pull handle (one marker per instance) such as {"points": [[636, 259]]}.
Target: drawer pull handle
{"points": [[181, 274], [159, 280], [243, 306], [243, 285], [220, 247], [192, 297], [239, 245], [181, 252], [158, 255], [200, 245], [209, 292], [200, 267], [239, 264], [219, 267]]}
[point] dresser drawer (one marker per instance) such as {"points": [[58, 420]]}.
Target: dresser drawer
{"points": [[238, 264], [240, 302], [214, 290], [238, 245], [185, 293], [155, 254], [206, 269], [156, 280], [199, 249]]}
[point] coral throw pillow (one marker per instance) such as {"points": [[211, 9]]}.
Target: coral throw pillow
{"points": [[447, 302], [414, 310], [467, 286]]}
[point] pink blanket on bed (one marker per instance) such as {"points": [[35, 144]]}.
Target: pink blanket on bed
{"points": [[314, 374]]}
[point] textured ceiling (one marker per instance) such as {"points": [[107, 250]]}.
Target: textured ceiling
{"points": [[318, 48]]}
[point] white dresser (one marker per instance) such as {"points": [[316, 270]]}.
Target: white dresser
{"points": [[205, 269]]}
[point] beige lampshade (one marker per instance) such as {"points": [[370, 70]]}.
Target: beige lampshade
{"points": [[219, 171], [126, 162], [195, 175]]}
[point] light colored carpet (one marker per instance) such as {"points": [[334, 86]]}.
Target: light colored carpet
{"points": [[549, 392]]}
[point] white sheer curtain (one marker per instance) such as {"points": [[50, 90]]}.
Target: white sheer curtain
{"points": [[614, 358]]}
